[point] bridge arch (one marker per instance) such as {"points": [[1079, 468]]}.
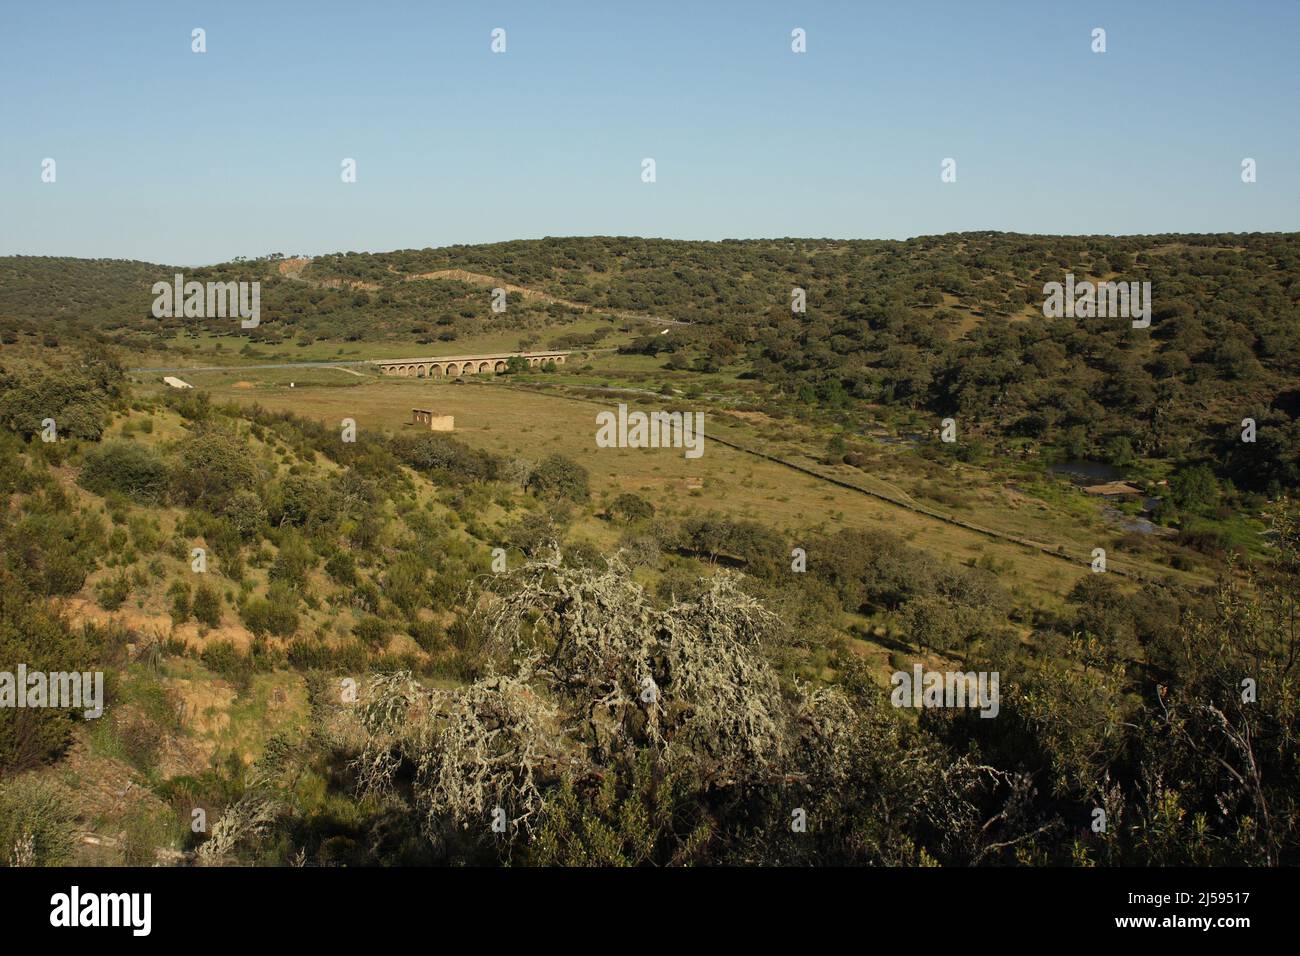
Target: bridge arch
{"points": [[488, 364]]}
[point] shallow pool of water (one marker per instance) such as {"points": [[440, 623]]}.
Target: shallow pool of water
{"points": [[1086, 472]]}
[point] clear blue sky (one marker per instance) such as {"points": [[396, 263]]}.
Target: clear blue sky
{"points": [[183, 158]]}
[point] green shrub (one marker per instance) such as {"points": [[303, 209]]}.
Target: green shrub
{"points": [[307, 653], [179, 592], [427, 634], [275, 614], [444, 454], [207, 606], [113, 591], [342, 567], [32, 633], [293, 562], [36, 824], [558, 477], [223, 658], [78, 407], [372, 631], [214, 464], [52, 552], [629, 507], [130, 469], [245, 512]]}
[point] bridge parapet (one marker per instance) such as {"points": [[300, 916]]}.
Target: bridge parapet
{"points": [[453, 366]]}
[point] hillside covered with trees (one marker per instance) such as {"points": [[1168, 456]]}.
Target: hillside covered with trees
{"points": [[414, 647], [947, 325]]}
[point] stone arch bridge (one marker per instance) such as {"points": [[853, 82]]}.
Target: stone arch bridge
{"points": [[453, 366]]}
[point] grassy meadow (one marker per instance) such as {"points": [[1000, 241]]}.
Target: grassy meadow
{"points": [[516, 422]]}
